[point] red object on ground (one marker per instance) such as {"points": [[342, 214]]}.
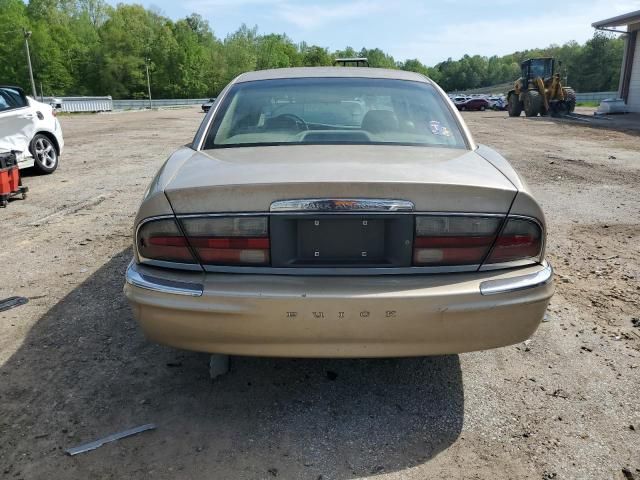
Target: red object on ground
{"points": [[9, 180], [10, 185]]}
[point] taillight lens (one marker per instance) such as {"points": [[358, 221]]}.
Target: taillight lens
{"points": [[453, 240], [440, 240], [240, 240], [521, 239], [163, 240]]}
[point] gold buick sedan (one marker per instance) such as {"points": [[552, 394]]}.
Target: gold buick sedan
{"points": [[337, 212]]}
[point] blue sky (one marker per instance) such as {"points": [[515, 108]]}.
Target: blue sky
{"points": [[431, 31]]}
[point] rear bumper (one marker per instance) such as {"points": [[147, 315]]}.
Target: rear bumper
{"points": [[25, 161], [297, 316]]}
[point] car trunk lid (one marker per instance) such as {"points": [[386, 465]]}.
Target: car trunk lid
{"points": [[250, 179], [337, 227]]}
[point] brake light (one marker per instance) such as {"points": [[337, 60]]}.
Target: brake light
{"points": [[240, 240], [439, 240], [453, 240], [162, 240], [521, 239]]}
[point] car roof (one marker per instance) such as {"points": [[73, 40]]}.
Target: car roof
{"points": [[334, 72]]}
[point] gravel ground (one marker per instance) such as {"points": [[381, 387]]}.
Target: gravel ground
{"points": [[74, 366]]}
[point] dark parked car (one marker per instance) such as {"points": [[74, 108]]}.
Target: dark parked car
{"points": [[473, 104], [208, 104]]}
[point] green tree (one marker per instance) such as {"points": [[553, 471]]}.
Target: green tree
{"points": [[13, 18], [377, 58], [126, 41], [315, 56], [276, 51], [598, 64], [348, 52], [240, 52]]}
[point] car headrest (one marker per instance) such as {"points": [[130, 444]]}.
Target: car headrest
{"points": [[376, 121]]}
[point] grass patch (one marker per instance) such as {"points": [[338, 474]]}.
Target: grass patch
{"points": [[588, 103]]}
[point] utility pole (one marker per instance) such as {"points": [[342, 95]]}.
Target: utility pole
{"points": [[27, 34], [146, 64]]}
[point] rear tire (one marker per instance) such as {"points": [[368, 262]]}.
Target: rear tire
{"points": [[44, 153], [532, 103], [570, 99], [560, 109], [514, 106]]}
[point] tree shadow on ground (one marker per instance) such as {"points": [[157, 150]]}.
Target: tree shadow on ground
{"points": [[85, 371]]}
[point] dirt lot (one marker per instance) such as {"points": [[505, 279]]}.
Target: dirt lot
{"points": [[74, 366]]}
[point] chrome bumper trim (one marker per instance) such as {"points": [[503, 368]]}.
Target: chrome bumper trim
{"points": [[507, 285], [148, 282], [488, 287]]}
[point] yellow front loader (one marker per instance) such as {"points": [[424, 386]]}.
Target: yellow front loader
{"points": [[539, 91]]}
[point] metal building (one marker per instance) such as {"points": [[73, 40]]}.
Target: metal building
{"points": [[629, 88]]}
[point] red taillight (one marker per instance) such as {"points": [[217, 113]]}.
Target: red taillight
{"points": [[453, 240], [162, 240], [239, 240], [232, 256], [521, 239], [168, 241], [467, 240], [439, 241], [230, 242]]}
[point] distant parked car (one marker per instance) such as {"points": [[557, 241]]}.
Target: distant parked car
{"points": [[208, 104], [497, 103], [473, 104], [31, 128], [55, 102]]}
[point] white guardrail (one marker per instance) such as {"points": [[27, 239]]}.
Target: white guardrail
{"points": [[79, 104], [161, 102], [107, 104]]}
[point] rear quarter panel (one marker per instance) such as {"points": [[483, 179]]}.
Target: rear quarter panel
{"points": [[154, 201], [524, 202]]}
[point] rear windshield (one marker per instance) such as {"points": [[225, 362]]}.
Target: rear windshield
{"points": [[333, 111]]}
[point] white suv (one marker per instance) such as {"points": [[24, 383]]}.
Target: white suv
{"points": [[30, 128]]}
